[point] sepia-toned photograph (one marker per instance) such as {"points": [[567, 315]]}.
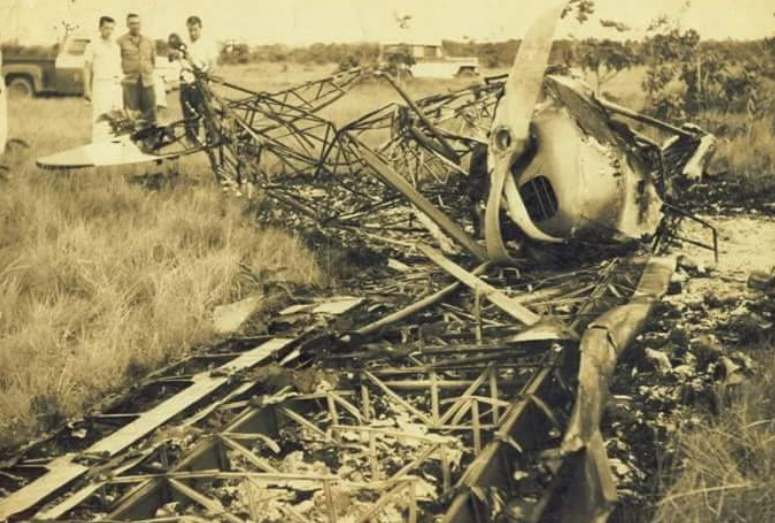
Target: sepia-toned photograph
{"points": [[339, 261]]}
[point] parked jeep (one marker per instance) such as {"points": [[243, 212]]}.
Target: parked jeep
{"points": [[429, 61]]}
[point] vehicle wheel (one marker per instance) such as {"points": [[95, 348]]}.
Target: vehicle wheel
{"points": [[20, 88], [466, 72]]}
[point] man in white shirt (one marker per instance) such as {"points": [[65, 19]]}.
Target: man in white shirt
{"points": [[160, 89], [202, 54], [102, 78]]}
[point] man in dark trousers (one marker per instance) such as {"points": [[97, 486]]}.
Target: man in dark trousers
{"points": [[138, 59], [201, 53]]}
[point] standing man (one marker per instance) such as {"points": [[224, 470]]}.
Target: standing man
{"points": [[138, 58], [202, 54], [102, 78]]}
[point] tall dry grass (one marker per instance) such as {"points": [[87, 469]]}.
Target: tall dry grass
{"points": [[746, 152], [102, 280], [727, 470]]}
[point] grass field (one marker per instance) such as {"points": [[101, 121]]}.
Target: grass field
{"points": [[102, 280]]}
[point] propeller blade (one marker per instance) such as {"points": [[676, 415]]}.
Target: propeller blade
{"points": [[511, 129]]}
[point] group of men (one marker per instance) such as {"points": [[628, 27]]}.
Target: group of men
{"points": [[120, 73]]}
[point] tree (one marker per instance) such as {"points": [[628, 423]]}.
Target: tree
{"points": [[604, 59], [359, 55], [234, 53], [489, 55], [583, 9], [673, 54], [399, 61]]}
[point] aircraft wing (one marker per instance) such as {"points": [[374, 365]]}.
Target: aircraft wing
{"points": [[117, 151]]}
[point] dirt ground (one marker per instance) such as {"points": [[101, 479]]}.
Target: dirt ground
{"points": [[746, 244], [709, 326]]}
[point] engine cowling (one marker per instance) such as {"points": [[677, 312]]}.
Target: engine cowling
{"points": [[584, 177]]}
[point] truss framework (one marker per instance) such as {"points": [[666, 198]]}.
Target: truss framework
{"points": [[467, 406]]}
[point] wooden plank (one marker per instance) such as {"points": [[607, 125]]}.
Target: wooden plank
{"points": [[417, 461], [301, 420], [415, 307], [394, 180], [384, 431], [229, 318], [336, 305], [61, 471], [212, 505], [224, 403], [446, 148], [382, 502], [83, 494], [256, 461], [461, 401], [141, 502], [330, 502], [73, 501], [151, 420], [511, 307], [398, 399], [203, 385]]}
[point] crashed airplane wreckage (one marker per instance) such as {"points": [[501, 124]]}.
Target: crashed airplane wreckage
{"points": [[413, 401]]}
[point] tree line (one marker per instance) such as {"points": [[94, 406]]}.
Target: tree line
{"points": [[684, 75]]}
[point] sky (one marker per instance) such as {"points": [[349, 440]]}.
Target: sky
{"points": [[302, 22]]}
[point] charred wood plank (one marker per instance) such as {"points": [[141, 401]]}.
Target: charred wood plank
{"points": [[517, 311]]}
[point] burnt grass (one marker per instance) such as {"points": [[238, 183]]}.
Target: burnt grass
{"points": [[731, 194], [653, 400]]}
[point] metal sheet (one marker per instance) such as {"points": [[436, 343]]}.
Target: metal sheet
{"points": [[115, 152], [601, 346]]}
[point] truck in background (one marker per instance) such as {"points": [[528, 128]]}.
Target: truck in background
{"points": [[430, 61], [58, 70]]}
